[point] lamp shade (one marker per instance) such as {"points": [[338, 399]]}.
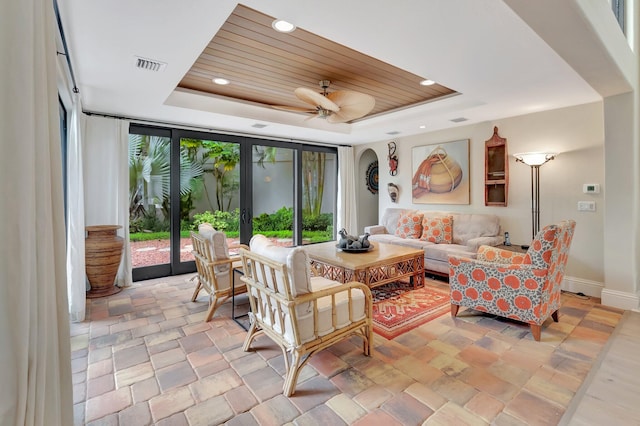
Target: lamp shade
{"points": [[534, 158]]}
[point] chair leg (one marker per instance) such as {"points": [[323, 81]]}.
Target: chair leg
{"points": [[536, 330], [215, 303], [251, 333], [555, 316], [367, 340], [292, 374], [196, 291], [454, 310]]}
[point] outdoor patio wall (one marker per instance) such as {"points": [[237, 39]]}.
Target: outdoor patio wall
{"points": [[576, 133]]}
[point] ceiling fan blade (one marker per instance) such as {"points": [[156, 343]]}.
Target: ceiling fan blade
{"points": [[316, 99], [293, 108], [352, 105]]}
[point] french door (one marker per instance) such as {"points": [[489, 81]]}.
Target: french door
{"points": [[240, 185]]}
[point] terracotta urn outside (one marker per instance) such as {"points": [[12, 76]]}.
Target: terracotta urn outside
{"points": [[103, 252]]}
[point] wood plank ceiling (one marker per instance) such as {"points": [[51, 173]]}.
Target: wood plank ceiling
{"points": [[265, 66]]}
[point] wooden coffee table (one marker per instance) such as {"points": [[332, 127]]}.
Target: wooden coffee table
{"points": [[383, 264]]}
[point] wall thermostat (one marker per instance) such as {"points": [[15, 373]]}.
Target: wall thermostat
{"points": [[591, 188]]}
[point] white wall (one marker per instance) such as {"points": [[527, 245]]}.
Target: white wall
{"points": [[576, 133], [367, 201]]}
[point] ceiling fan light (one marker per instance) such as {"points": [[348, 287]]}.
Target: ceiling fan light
{"points": [[283, 26], [427, 82], [221, 81]]}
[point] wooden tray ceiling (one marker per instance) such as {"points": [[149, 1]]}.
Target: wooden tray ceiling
{"points": [[265, 66]]}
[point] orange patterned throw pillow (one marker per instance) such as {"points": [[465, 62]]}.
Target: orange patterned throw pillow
{"points": [[437, 230], [409, 226]]}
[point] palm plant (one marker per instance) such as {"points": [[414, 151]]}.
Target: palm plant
{"points": [[149, 174]]}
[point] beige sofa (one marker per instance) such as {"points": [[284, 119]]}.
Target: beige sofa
{"points": [[470, 231]]}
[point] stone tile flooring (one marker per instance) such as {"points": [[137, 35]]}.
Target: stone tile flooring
{"points": [[144, 356]]}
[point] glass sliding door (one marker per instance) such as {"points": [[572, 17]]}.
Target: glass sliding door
{"points": [[210, 172], [272, 200], [319, 189], [243, 186], [150, 201]]}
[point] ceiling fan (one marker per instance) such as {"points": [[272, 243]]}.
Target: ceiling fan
{"points": [[336, 107]]}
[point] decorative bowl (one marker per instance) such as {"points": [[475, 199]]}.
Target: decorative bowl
{"points": [[354, 250]]}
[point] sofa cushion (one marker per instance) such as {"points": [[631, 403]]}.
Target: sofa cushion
{"points": [[409, 225], [468, 226], [390, 218], [437, 229], [441, 252]]}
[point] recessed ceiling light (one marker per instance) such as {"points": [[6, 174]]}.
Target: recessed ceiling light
{"points": [[283, 26], [220, 81], [423, 127], [427, 82]]}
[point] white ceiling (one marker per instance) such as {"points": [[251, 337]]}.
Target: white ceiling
{"points": [[480, 48]]}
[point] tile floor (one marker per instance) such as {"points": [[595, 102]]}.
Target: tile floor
{"points": [[144, 356]]}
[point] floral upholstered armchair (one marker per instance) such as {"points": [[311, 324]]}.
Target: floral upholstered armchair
{"points": [[523, 287]]}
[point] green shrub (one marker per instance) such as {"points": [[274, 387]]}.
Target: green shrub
{"points": [[317, 223], [222, 221], [150, 222]]}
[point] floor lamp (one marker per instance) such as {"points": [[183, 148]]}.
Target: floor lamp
{"points": [[535, 160]]}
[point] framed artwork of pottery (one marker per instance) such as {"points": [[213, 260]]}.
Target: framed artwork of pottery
{"points": [[441, 173]]}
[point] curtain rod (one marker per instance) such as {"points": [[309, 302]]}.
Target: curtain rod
{"points": [[64, 46], [208, 129]]}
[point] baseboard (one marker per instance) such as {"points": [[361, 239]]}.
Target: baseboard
{"points": [[620, 299], [580, 285]]}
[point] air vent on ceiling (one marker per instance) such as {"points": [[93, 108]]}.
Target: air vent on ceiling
{"points": [[149, 64], [459, 119], [259, 126], [395, 132]]}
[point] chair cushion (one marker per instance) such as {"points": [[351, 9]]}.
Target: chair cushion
{"points": [[437, 229], [219, 248], [296, 259], [325, 325], [409, 225]]}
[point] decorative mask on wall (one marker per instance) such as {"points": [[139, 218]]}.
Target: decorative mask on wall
{"points": [[393, 159], [394, 192]]}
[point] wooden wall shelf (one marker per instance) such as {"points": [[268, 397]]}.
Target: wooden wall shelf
{"points": [[496, 166]]}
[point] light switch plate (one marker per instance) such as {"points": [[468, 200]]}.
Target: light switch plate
{"points": [[586, 206]]}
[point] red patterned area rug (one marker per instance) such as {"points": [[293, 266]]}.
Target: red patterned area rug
{"points": [[398, 308]]}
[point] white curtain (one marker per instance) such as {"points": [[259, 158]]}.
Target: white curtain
{"points": [[106, 189], [76, 274], [34, 321], [347, 217]]}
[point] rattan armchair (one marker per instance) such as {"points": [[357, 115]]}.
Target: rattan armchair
{"points": [[215, 267], [300, 313]]}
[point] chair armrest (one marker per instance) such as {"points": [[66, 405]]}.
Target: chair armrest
{"points": [[375, 229], [237, 246], [497, 255], [228, 261], [527, 268], [475, 243]]}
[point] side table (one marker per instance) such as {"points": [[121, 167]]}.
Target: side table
{"points": [[513, 247], [237, 273]]}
